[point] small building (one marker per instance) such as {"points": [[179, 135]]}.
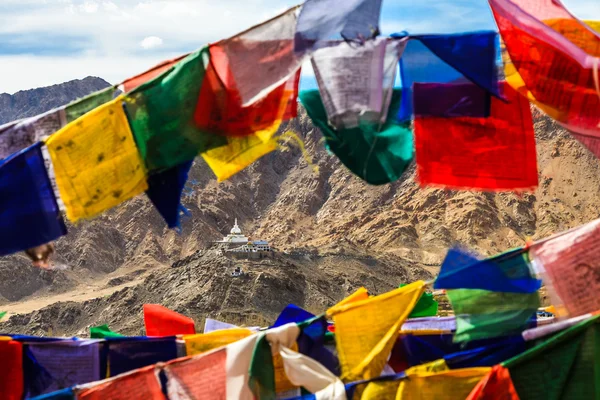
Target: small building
{"points": [[239, 244]]}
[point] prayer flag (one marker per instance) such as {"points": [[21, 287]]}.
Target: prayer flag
{"points": [[565, 366], [96, 162], [160, 321], [506, 272], [11, 369], [132, 83], [425, 307], [321, 20], [211, 325], [137, 385], [495, 153], [86, 104], [128, 353], [102, 332], [240, 152], [450, 100], [202, 343], [483, 314], [161, 113], [448, 59], [219, 109], [366, 330], [449, 384], [571, 264], [165, 189], [292, 313], [377, 154], [547, 65], [18, 135], [496, 385], [356, 82], [29, 214], [57, 365], [261, 58]]}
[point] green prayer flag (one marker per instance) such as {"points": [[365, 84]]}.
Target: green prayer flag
{"points": [[86, 104], [378, 156], [161, 114], [261, 374], [425, 307], [484, 314], [2, 314], [565, 366], [102, 332]]}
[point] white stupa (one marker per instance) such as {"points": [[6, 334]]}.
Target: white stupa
{"points": [[236, 236]]}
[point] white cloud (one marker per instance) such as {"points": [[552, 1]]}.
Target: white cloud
{"points": [[151, 42], [89, 7]]}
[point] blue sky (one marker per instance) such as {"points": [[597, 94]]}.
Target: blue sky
{"points": [[43, 42]]}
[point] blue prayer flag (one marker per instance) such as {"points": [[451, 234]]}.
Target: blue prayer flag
{"points": [[29, 214], [164, 191], [129, 353], [292, 313]]}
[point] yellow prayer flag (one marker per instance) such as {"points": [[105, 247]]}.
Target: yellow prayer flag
{"points": [[448, 384], [282, 383], [240, 152], [5, 338], [360, 294], [203, 342], [366, 330], [382, 390], [96, 162]]}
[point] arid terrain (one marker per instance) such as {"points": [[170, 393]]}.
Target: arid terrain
{"points": [[333, 234]]}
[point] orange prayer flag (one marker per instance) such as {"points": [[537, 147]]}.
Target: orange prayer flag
{"points": [[496, 385], [160, 321], [132, 83]]}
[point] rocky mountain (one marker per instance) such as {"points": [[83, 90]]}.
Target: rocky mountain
{"points": [[28, 103], [334, 233]]}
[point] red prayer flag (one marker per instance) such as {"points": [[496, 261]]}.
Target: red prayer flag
{"points": [[200, 378], [134, 82], [11, 370], [495, 153], [496, 385], [220, 111], [554, 55], [160, 321], [141, 384]]}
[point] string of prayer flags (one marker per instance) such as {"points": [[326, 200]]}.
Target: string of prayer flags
{"points": [[82, 106], [11, 369], [497, 384], [95, 175], [565, 366], [204, 342], [165, 189], [505, 272], [161, 113], [378, 156], [450, 384], [448, 59], [547, 67], [140, 384], [29, 214], [570, 268], [128, 353], [495, 153], [356, 82], [363, 355], [58, 365], [321, 20], [134, 82], [261, 58], [102, 332], [18, 135], [160, 321], [220, 111]]}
